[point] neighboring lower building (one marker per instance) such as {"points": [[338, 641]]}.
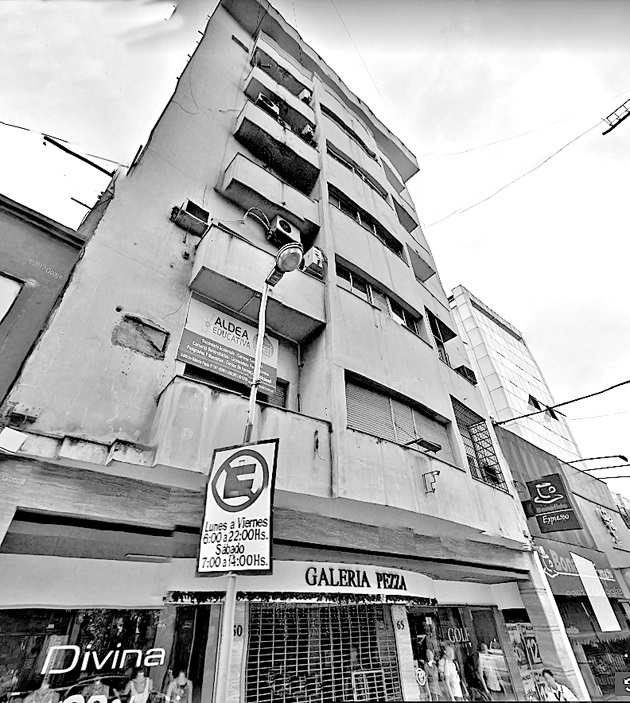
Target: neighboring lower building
{"points": [[510, 379], [397, 533], [598, 627]]}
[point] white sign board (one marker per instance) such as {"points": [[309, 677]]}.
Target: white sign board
{"points": [[597, 596], [226, 346], [237, 526]]}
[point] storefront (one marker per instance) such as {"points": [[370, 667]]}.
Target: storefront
{"points": [[311, 631], [600, 651]]}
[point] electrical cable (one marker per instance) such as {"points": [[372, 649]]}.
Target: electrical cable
{"points": [[566, 402], [460, 211], [364, 64], [596, 417]]}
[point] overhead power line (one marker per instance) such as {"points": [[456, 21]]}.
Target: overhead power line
{"points": [[566, 402], [514, 180]]}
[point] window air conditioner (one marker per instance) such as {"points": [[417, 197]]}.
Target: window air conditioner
{"points": [[282, 232], [264, 103], [306, 96], [313, 262], [191, 217], [308, 133]]}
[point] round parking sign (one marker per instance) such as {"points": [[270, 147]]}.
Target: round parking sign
{"points": [[240, 480]]}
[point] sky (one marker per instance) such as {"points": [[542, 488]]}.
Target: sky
{"points": [[482, 91]]}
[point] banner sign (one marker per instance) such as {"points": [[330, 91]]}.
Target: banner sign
{"points": [[226, 346], [562, 573], [552, 505], [237, 526]]}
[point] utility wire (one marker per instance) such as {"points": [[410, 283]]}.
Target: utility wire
{"points": [[514, 180], [596, 417], [566, 402], [363, 62]]}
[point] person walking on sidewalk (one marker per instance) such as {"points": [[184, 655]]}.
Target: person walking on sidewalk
{"points": [[555, 691]]}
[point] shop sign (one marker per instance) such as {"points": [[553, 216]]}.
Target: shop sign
{"points": [[226, 346], [552, 505], [237, 528], [57, 660], [562, 573]]}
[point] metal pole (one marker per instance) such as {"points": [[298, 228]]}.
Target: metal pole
{"points": [[227, 636], [251, 411], [229, 604]]}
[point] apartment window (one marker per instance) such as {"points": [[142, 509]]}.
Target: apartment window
{"points": [[351, 281], [9, 291], [279, 398], [351, 166], [343, 203], [482, 459], [376, 413], [441, 335], [549, 412], [347, 130], [534, 403]]}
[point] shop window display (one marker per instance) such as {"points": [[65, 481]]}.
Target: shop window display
{"points": [[457, 655], [134, 656]]}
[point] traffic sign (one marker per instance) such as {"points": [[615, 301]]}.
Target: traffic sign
{"points": [[236, 533]]}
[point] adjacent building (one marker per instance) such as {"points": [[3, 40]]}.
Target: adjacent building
{"points": [[397, 529], [510, 379]]}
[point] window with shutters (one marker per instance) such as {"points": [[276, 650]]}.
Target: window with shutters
{"points": [[300, 652], [441, 334], [480, 453], [378, 414]]}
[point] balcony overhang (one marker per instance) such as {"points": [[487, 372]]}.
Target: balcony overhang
{"points": [[279, 147], [292, 110], [249, 185], [279, 68], [230, 271]]}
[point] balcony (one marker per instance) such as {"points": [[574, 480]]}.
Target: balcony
{"points": [[268, 58], [249, 185], [229, 270], [294, 111], [406, 216], [193, 419], [278, 146]]}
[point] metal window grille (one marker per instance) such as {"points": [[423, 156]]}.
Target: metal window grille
{"points": [[279, 397], [376, 414], [319, 653], [482, 459]]}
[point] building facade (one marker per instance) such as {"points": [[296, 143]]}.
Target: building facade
{"points": [[398, 536], [510, 379], [600, 639]]}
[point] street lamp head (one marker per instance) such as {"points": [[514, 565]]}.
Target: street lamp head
{"points": [[289, 257]]}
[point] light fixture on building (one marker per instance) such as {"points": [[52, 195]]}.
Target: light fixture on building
{"points": [[425, 444], [288, 259], [429, 481]]}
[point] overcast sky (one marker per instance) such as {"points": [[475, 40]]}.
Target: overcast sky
{"points": [[549, 253]]}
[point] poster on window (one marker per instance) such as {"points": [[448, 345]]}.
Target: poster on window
{"points": [[221, 344]]}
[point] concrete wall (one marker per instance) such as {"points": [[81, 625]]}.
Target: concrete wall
{"points": [[40, 254]]}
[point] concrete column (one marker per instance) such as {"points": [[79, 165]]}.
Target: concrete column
{"points": [[410, 690], [555, 648], [239, 652]]}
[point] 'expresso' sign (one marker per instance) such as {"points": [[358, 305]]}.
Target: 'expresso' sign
{"points": [[552, 505]]}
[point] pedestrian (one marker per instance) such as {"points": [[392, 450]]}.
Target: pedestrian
{"points": [[555, 691]]}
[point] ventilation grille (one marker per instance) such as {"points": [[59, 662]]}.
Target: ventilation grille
{"points": [[321, 653]]}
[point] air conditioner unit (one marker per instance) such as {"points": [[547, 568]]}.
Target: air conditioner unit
{"points": [[264, 103], [283, 232], [313, 262], [308, 133], [306, 96], [191, 217]]}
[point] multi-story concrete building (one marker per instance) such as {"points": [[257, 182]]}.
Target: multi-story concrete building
{"points": [[397, 530], [510, 379]]}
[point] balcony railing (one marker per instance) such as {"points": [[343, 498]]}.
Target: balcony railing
{"points": [[287, 153], [230, 270], [249, 185], [193, 419]]}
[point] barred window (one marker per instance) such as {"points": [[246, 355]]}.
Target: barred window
{"points": [[482, 459], [378, 414]]}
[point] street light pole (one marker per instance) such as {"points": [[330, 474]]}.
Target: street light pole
{"points": [[287, 260]]}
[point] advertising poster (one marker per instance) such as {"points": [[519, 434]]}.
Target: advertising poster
{"points": [[552, 505], [220, 343]]}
